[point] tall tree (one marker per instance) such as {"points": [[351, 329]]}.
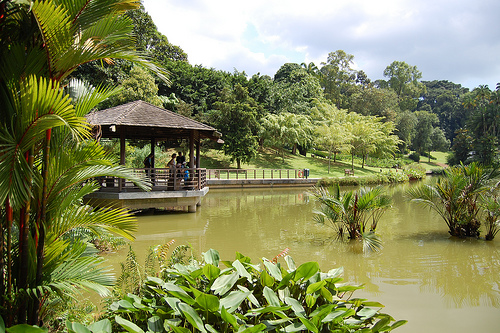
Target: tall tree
{"points": [[426, 121], [338, 77], [334, 138], [403, 79], [236, 116], [375, 102]]}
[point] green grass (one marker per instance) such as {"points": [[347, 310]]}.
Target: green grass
{"points": [[269, 159]]}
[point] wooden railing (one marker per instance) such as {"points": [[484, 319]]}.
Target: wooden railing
{"points": [[256, 174], [162, 179]]}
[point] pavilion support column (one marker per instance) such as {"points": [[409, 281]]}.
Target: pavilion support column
{"points": [[121, 182], [191, 149], [153, 145], [198, 153]]}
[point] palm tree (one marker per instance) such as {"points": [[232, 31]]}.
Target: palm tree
{"points": [[43, 159], [456, 197], [354, 214]]}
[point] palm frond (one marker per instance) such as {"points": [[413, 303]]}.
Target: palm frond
{"points": [[371, 242]]}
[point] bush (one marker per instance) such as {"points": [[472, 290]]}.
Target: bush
{"points": [[246, 297], [414, 171], [414, 157]]}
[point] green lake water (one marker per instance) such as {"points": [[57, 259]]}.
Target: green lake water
{"points": [[437, 283]]}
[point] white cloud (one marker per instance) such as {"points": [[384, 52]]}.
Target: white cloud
{"points": [[447, 40]]}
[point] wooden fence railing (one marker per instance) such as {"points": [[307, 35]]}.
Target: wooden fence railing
{"points": [[162, 179], [257, 173]]}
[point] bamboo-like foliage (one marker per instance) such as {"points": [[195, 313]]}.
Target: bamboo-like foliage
{"points": [[46, 166]]}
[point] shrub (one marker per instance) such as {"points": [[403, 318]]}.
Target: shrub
{"points": [[414, 157], [246, 297], [414, 171]]}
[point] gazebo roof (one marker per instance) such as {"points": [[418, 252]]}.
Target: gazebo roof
{"points": [[142, 120]]}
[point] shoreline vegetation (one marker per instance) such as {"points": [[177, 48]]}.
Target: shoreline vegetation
{"points": [[375, 171]]}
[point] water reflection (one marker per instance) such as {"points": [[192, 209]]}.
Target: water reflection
{"points": [[420, 272]]}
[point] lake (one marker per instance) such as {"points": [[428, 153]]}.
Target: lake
{"points": [[437, 283]]}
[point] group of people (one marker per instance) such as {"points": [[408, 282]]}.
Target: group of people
{"points": [[177, 161]]}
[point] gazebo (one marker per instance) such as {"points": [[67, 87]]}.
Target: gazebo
{"points": [[144, 121]]}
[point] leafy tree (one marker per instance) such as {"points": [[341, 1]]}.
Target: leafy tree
{"points": [[45, 168], [445, 100], [333, 138], [439, 140], [237, 117], [461, 148], [140, 85], [406, 123], [422, 142], [370, 136], [403, 79], [375, 102], [294, 90], [286, 129], [338, 77]]}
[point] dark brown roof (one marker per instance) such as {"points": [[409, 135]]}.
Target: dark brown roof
{"points": [[142, 120]]}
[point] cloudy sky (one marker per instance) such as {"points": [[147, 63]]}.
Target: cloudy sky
{"points": [[452, 40]]}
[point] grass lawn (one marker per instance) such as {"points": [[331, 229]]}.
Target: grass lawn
{"points": [[318, 167]]}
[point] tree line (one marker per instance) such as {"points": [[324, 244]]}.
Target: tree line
{"points": [[418, 115]]}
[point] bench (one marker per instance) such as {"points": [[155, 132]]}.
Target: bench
{"points": [[348, 172]]}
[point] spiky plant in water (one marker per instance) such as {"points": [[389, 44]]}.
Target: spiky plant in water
{"points": [[354, 214]]}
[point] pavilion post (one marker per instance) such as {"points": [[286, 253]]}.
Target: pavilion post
{"points": [[153, 144], [122, 158], [191, 149], [198, 153]]}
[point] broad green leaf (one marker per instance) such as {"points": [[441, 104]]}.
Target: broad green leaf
{"points": [[271, 297], [273, 269], [348, 288], [286, 280], [212, 257], [310, 326], [177, 329], [398, 324], [128, 325], [372, 304], [173, 303], [224, 283], [251, 297], [208, 302], [266, 279], [77, 328], [366, 313], [155, 324], [291, 264], [178, 292], [297, 308], [228, 318], [336, 272], [211, 271], [326, 294], [381, 324], [25, 328], [192, 316], [312, 288], [101, 326], [241, 270], [2, 325], [310, 300], [210, 328], [255, 329], [306, 271], [232, 301], [295, 327]]}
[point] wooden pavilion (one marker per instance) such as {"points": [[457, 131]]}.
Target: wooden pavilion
{"points": [[170, 188]]}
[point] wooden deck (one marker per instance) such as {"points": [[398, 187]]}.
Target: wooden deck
{"points": [[170, 189]]}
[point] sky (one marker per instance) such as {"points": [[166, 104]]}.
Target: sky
{"points": [[452, 40]]}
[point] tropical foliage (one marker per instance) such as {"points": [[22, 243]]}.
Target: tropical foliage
{"points": [[246, 297], [353, 215], [46, 165], [463, 197]]}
